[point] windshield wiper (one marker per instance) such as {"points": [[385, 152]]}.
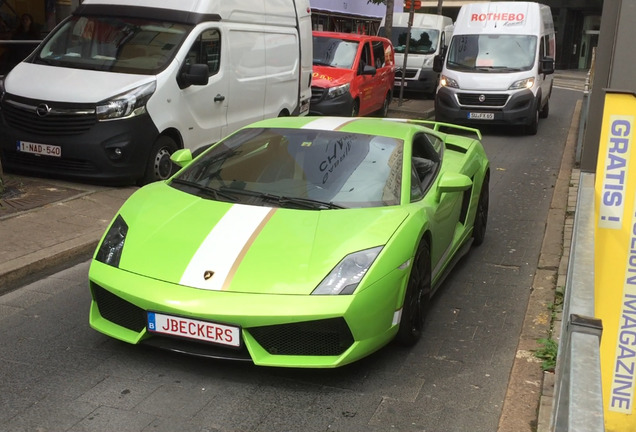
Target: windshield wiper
{"points": [[460, 65], [302, 202], [321, 63], [211, 192]]}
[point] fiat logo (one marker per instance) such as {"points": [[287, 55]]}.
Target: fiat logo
{"points": [[482, 98], [42, 110]]}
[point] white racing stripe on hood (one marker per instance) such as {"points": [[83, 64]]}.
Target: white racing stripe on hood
{"points": [[224, 247], [327, 123]]}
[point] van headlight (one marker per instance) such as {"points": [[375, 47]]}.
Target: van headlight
{"points": [[445, 81], [334, 92], [125, 105], [521, 84]]}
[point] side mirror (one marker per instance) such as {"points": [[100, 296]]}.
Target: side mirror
{"points": [[195, 74], [369, 70], [181, 157], [546, 65], [453, 183], [438, 63]]}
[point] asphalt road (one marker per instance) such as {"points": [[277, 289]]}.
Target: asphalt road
{"points": [[57, 374]]}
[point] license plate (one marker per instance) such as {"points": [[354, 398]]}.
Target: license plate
{"points": [[39, 149], [399, 83], [194, 329], [481, 116]]}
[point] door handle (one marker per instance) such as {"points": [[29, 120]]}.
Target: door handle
{"points": [[219, 98]]}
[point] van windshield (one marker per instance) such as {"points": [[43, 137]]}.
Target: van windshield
{"points": [[492, 53], [127, 45], [423, 41], [334, 52]]}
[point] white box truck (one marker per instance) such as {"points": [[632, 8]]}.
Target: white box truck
{"points": [[499, 65], [121, 84], [430, 35]]}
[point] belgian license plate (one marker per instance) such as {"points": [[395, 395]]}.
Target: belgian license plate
{"points": [[39, 149], [481, 116], [194, 329]]}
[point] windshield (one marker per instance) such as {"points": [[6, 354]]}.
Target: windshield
{"points": [[334, 52], [334, 169], [127, 45], [423, 41], [492, 53]]}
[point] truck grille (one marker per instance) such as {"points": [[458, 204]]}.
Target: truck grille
{"points": [[490, 100], [47, 118]]}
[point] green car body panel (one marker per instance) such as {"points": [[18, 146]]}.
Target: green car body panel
{"points": [[174, 240]]}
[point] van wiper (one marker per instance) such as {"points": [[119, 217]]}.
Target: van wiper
{"points": [[215, 194], [460, 65], [321, 63]]}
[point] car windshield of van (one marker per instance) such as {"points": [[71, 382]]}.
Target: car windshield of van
{"points": [[423, 41], [298, 168], [126, 45], [492, 53], [334, 52]]}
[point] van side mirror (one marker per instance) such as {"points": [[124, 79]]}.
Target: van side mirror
{"points": [[194, 74], [438, 63], [368, 70], [546, 66]]}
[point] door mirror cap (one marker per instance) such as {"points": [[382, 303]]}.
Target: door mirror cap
{"points": [[546, 66], [195, 74]]}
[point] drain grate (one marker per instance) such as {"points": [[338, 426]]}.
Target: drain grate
{"points": [[21, 194]]}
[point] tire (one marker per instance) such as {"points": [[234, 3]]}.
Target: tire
{"points": [[545, 110], [416, 298], [159, 166], [384, 111], [481, 217], [355, 108], [533, 127]]}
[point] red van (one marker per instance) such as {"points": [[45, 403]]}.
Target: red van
{"points": [[353, 74]]}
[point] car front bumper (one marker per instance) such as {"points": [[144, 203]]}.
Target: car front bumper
{"points": [[276, 330]]}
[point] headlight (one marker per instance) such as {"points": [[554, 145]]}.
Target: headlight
{"points": [[346, 276], [334, 92], [445, 81], [521, 84], [110, 250], [129, 104]]}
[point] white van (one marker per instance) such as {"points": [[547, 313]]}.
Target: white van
{"points": [[499, 66], [430, 35], [121, 84]]}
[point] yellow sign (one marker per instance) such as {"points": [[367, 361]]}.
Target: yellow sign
{"points": [[615, 259]]}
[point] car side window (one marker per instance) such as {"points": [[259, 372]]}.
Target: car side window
{"points": [[425, 161], [206, 50], [378, 54]]}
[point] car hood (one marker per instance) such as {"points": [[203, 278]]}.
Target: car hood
{"points": [[488, 81], [325, 77], [67, 84], [183, 239]]}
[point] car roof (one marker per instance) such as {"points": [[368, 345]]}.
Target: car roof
{"points": [[394, 128], [348, 36]]}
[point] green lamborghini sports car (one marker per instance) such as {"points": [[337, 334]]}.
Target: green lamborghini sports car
{"points": [[294, 242]]}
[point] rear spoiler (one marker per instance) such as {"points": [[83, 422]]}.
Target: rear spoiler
{"points": [[436, 126]]}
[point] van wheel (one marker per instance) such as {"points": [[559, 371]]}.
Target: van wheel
{"points": [[533, 127], [355, 108], [159, 166], [384, 111], [545, 110], [416, 298]]}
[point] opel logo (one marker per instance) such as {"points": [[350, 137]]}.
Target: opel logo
{"points": [[42, 110], [208, 274], [482, 98]]}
